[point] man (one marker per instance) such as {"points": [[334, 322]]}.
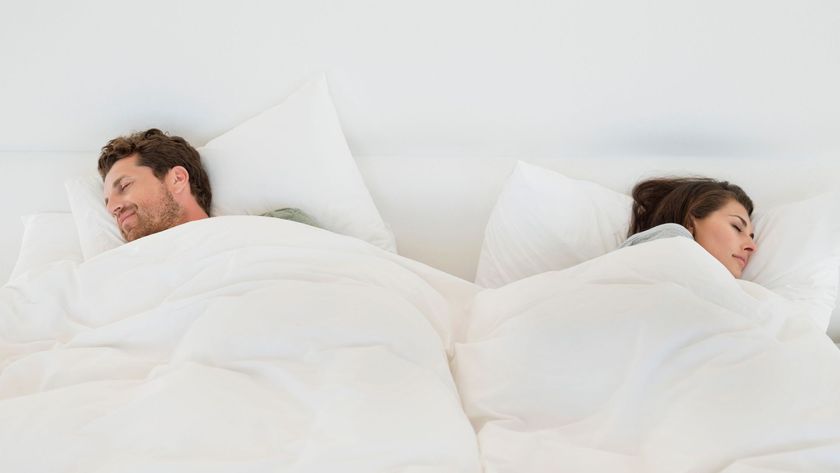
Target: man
{"points": [[153, 182]]}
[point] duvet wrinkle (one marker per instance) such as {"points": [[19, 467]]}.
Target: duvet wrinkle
{"points": [[535, 303], [69, 387], [769, 452], [510, 316], [310, 358], [445, 375], [229, 289]]}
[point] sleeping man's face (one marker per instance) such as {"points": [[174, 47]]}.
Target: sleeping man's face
{"points": [[140, 203]]}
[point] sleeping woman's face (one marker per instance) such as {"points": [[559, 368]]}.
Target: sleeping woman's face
{"points": [[727, 234]]}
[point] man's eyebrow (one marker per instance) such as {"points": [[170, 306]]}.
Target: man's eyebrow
{"points": [[115, 184], [744, 222]]}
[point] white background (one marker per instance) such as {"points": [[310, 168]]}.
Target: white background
{"points": [[535, 79]]}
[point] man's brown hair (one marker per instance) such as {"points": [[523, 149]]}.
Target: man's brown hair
{"points": [[160, 152], [680, 200]]}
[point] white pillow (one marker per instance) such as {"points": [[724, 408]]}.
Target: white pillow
{"points": [[798, 252], [97, 231], [545, 221], [295, 155], [292, 155], [47, 237]]}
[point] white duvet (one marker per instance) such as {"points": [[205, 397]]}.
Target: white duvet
{"points": [[233, 344], [249, 344], [649, 359]]}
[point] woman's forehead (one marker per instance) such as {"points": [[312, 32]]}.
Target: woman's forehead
{"points": [[733, 207]]}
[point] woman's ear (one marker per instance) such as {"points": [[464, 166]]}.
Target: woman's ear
{"points": [[689, 225]]}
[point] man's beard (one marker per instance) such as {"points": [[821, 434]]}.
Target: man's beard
{"points": [[162, 217]]}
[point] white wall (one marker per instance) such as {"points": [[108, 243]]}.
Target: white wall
{"points": [[437, 77]]}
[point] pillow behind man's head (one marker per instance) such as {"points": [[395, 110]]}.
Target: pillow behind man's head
{"points": [[292, 155]]}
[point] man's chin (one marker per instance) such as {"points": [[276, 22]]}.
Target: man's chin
{"points": [[132, 234], [137, 233]]}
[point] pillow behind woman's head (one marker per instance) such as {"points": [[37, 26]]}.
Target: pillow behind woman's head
{"points": [[545, 221]]}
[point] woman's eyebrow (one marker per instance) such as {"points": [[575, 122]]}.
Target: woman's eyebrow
{"points": [[744, 222]]}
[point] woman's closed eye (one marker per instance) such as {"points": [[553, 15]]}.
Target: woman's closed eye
{"points": [[740, 230]]}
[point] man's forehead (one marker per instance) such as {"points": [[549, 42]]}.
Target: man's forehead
{"points": [[122, 166]]}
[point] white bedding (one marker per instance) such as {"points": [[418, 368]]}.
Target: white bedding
{"points": [[233, 344], [649, 359], [258, 344]]}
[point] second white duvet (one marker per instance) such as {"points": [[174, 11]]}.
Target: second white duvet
{"points": [[649, 359]]}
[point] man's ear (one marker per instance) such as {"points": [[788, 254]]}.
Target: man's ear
{"points": [[178, 179]]}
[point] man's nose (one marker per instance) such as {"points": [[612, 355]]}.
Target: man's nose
{"points": [[114, 206]]}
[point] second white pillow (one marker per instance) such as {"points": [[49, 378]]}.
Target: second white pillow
{"points": [[546, 221]]}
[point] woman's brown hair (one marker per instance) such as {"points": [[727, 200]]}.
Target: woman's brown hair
{"points": [[681, 200]]}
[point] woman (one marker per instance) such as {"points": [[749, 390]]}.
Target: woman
{"points": [[716, 214]]}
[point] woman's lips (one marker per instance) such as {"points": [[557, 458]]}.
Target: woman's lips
{"points": [[741, 260]]}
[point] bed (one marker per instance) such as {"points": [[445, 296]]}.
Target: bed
{"points": [[462, 304], [250, 343]]}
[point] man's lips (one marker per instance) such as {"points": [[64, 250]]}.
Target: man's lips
{"points": [[125, 216]]}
